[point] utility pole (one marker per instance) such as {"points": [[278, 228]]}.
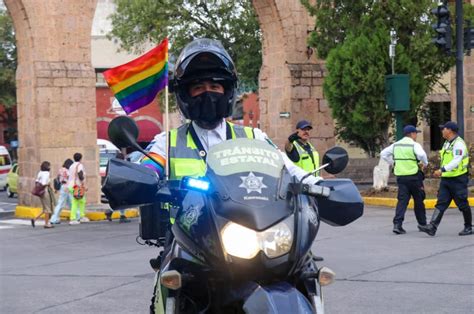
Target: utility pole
{"points": [[459, 67]]}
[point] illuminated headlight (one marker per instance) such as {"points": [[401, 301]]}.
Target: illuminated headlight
{"points": [[240, 241], [245, 243]]}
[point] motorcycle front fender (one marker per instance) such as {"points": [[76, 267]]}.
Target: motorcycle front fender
{"points": [[277, 298]]}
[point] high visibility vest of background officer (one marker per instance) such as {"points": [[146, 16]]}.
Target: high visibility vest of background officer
{"points": [[405, 155], [300, 150], [454, 173]]}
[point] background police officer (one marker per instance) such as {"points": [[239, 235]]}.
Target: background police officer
{"points": [[406, 155], [454, 157], [300, 150]]}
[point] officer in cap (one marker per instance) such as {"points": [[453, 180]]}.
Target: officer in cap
{"points": [[454, 157], [406, 155], [299, 149]]}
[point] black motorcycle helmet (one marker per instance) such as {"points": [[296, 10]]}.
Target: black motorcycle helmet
{"points": [[204, 59]]}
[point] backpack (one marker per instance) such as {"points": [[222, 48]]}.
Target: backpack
{"points": [[57, 184]]}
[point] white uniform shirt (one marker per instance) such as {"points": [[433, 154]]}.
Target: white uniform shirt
{"points": [[215, 136], [459, 151], [387, 153]]}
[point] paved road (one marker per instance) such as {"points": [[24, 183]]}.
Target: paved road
{"points": [[98, 267], [7, 205]]}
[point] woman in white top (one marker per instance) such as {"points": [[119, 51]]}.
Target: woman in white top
{"points": [[47, 199]]}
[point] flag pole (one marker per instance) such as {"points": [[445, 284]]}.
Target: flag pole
{"points": [[167, 129]]}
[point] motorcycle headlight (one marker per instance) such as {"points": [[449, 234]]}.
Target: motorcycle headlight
{"points": [[245, 243], [277, 240], [240, 241]]}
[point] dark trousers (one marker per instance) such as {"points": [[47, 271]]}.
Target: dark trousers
{"points": [[409, 186], [455, 189]]}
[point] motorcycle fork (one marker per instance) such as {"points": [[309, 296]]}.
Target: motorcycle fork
{"points": [[315, 295]]}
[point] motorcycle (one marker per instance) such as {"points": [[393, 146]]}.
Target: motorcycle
{"points": [[242, 234]]}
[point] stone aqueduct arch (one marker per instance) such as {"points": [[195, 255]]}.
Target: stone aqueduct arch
{"points": [[55, 89], [55, 79]]}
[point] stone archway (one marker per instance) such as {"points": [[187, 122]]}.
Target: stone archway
{"points": [[290, 80], [55, 89], [56, 103]]}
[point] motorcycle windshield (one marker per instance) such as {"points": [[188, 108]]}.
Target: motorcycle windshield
{"points": [[245, 155], [246, 174]]}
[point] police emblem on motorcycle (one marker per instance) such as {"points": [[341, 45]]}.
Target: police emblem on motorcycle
{"points": [[252, 183]]}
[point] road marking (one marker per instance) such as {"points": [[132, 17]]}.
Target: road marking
{"points": [[6, 227], [21, 222], [6, 203]]}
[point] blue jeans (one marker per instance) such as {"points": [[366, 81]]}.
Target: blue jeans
{"points": [[63, 201]]}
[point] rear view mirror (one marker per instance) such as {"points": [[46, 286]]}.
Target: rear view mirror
{"points": [[337, 158], [123, 132]]}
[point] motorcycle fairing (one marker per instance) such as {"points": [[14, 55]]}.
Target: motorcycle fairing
{"points": [[277, 298]]}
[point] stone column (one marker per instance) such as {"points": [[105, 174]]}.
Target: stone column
{"points": [[55, 89], [291, 78]]}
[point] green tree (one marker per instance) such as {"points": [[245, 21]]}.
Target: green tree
{"points": [[8, 64], [234, 23], [353, 38]]}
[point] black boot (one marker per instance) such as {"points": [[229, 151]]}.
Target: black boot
{"points": [[466, 231], [123, 219], [467, 215], [431, 228], [108, 214], [397, 228], [420, 227]]}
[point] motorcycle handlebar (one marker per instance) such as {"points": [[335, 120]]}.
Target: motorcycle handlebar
{"points": [[316, 190]]}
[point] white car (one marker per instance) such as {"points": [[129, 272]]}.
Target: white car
{"points": [[107, 150], [5, 166]]}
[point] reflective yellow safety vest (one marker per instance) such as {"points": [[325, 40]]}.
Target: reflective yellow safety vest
{"points": [[306, 162], [447, 154], [406, 163], [184, 156]]}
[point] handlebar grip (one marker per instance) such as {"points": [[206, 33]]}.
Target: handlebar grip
{"points": [[316, 190]]}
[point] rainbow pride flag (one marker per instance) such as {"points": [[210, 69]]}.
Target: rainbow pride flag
{"points": [[135, 84]]}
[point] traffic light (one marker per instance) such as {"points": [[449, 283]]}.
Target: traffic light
{"points": [[468, 38], [442, 28]]}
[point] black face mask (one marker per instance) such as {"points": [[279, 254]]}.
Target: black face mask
{"points": [[208, 108]]}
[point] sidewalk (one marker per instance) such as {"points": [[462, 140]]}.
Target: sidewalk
{"points": [[93, 212], [392, 202]]}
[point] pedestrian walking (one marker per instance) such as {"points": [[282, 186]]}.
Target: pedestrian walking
{"points": [[77, 188], [64, 199], [454, 157], [406, 155], [47, 196]]}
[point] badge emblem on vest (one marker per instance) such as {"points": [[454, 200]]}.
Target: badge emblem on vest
{"points": [[252, 183]]}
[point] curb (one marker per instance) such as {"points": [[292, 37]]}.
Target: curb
{"points": [[93, 215], [392, 202]]}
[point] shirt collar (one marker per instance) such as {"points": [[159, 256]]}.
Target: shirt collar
{"points": [[220, 130]]}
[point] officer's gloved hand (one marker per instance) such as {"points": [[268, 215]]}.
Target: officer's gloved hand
{"points": [[293, 137]]}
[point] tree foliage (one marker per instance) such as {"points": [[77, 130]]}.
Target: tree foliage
{"points": [[8, 64], [353, 37], [234, 23], [7, 60]]}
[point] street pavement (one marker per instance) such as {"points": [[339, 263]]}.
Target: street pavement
{"points": [[98, 267], [7, 204]]}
